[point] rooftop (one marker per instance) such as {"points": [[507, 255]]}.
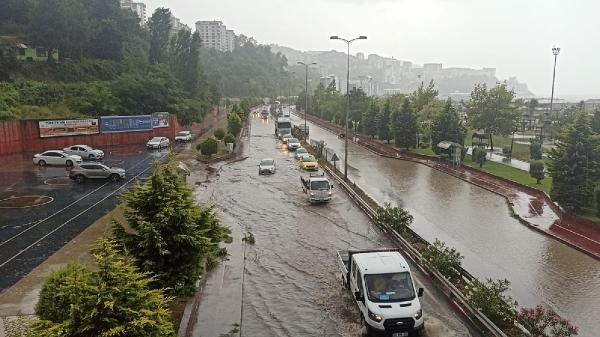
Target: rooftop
{"points": [[381, 263]]}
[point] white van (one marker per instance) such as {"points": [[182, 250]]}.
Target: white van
{"points": [[384, 291]]}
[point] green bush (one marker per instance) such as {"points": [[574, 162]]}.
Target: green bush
{"points": [[506, 151], [479, 156], [536, 170], [444, 259], [491, 299], [208, 147], [535, 151], [234, 123], [219, 133], [229, 138], [394, 217]]}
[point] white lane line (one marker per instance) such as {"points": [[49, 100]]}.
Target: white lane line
{"points": [[69, 205], [75, 217]]}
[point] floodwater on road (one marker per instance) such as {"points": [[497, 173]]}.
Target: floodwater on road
{"points": [[290, 284], [478, 223]]}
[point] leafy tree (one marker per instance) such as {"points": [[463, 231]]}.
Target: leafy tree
{"points": [[160, 30], [535, 151], [114, 298], [394, 217], [447, 126], [575, 165], [172, 238], [229, 139], [369, 119], [444, 259], [234, 123], [596, 121], [542, 322], [358, 104], [479, 156], [492, 110], [383, 122], [404, 126], [209, 147], [423, 96], [219, 133], [536, 170], [491, 299], [185, 59]]}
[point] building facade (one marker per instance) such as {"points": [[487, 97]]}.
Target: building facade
{"points": [[215, 35], [177, 25], [139, 8]]}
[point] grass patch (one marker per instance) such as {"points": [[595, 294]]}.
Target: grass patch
{"points": [[426, 152], [511, 173]]}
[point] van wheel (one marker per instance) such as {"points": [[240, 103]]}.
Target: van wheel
{"points": [[79, 178], [114, 178], [42, 163], [69, 163]]}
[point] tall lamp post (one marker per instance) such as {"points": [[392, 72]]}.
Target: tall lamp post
{"points": [[290, 94], [306, 65], [348, 42], [555, 52]]}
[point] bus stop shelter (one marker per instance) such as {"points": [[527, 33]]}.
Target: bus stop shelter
{"points": [[453, 150]]}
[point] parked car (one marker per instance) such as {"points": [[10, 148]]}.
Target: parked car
{"points": [[293, 144], [300, 152], [267, 166], [183, 136], [85, 151], [285, 137], [56, 157], [158, 143], [96, 171], [309, 162]]}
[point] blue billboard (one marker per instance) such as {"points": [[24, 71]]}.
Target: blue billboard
{"points": [[111, 124]]}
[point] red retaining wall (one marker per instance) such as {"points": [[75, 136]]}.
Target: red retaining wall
{"points": [[24, 136]]}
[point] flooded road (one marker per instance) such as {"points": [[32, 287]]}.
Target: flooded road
{"points": [[290, 284], [478, 223]]}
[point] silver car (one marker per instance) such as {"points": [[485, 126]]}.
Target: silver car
{"points": [[301, 152], [158, 143], [86, 152], [293, 144], [96, 171], [56, 157], [267, 166]]}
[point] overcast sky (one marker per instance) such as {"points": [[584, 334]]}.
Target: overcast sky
{"points": [[514, 36]]}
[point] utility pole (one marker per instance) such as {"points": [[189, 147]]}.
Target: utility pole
{"points": [[555, 52], [306, 65]]}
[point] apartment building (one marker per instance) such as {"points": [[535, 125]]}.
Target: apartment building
{"points": [[215, 35]]}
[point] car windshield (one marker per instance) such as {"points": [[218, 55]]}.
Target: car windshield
{"points": [[85, 147], [267, 162], [293, 140], [301, 150], [319, 185], [308, 158], [287, 136], [391, 287], [155, 139], [284, 125], [183, 133]]}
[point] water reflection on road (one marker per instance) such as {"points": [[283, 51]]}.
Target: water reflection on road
{"points": [[477, 222]]}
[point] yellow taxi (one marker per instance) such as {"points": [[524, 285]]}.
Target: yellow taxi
{"points": [[309, 163]]}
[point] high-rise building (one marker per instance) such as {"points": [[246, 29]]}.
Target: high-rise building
{"points": [[177, 25], [139, 8], [215, 35]]}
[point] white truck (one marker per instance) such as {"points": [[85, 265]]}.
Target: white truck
{"points": [[317, 188], [382, 286], [283, 126]]}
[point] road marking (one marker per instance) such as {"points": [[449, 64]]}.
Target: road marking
{"points": [[76, 216]]}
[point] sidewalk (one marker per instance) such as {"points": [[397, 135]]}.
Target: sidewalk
{"points": [[533, 207]]}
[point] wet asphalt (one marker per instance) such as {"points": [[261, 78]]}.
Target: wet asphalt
{"points": [[29, 235], [290, 284]]}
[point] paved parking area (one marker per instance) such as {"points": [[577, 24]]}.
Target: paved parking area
{"points": [[29, 234]]}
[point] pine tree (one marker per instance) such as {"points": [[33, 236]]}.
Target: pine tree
{"points": [[447, 126], [383, 122], [173, 237], [369, 119], [404, 126], [575, 165], [114, 299]]}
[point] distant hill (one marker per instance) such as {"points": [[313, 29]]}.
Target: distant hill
{"points": [[380, 75]]}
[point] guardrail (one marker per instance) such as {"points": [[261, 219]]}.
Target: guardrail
{"points": [[473, 314]]}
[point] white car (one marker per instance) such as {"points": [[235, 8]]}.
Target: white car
{"points": [[293, 144], [56, 157], [158, 143], [286, 137], [267, 166], [183, 136], [301, 152], [85, 151]]}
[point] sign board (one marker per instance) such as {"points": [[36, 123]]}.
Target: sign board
{"points": [[112, 124], [335, 157], [160, 120], [68, 127]]}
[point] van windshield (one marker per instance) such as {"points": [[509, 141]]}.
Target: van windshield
{"points": [[284, 125], [319, 185], [391, 287]]}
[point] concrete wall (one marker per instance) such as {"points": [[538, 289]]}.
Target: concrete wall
{"points": [[24, 136]]}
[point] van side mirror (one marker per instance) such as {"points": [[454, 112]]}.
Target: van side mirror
{"points": [[331, 186], [420, 292], [358, 296]]}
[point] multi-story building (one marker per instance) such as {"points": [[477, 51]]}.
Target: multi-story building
{"points": [[139, 8], [215, 35], [177, 25]]}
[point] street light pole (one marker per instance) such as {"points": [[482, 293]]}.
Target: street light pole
{"points": [[306, 65], [555, 52], [290, 94], [348, 42]]}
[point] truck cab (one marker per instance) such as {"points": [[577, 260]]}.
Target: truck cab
{"points": [[382, 286], [317, 188]]}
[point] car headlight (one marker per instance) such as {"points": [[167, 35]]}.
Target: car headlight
{"points": [[312, 194], [329, 193], [375, 317], [419, 314]]}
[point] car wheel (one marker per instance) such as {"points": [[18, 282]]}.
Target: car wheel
{"points": [[42, 163], [91, 156], [80, 178], [69, 163], [114, 178]]}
